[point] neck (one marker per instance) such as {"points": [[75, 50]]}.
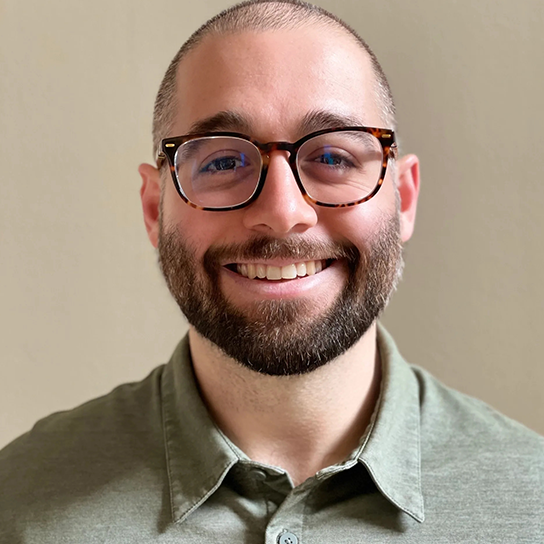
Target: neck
{"points": [[299, 423]]}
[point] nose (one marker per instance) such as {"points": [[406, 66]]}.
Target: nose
{"points": [[280, 208]]}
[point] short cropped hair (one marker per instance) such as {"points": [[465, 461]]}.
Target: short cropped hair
{"points": [[260, 15]]}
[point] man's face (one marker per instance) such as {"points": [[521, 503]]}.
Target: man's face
{"points": [[276, 81]]}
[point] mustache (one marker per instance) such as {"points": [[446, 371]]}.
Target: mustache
{"points": [[295, 249]]}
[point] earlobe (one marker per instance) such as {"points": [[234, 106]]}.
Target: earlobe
{"points": [[408, 187], [150, 193]]}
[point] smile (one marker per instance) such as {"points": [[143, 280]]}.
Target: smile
{"points": [[275, 273]]}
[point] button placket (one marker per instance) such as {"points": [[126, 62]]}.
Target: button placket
{"points": [[285, 526]]}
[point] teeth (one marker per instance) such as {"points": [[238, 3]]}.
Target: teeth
{"points": [[274, 273], [289, 272]]}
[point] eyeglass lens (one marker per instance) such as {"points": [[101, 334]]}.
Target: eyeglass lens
{"points": [[334, 168]]}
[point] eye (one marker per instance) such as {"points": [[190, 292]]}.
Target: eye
{"points": [[227, 163], [331, 158]]}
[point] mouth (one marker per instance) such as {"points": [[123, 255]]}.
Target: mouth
{"points": [[293, 271]]}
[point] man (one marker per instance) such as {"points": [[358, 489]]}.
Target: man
{"points": [[279, 206]]}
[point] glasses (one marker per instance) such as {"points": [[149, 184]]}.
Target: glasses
{"points": [[337, 168]]}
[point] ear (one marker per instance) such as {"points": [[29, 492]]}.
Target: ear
{"points": [[150, 194], [408, 187]]}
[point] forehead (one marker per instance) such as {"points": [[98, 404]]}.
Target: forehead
{"points": [[274, 79]]}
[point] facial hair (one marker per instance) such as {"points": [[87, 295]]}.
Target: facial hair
{"points": [[277, 337]]}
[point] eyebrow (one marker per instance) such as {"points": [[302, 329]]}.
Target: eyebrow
{"points": [[320, 119], [228, 121], [232, 121]]}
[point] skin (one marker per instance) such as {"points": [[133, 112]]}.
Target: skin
{"points": [[273, 78]]}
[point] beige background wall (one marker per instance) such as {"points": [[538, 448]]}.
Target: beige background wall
{"points": [[82, 304]]}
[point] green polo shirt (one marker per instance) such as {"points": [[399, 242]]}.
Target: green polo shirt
{"points": [[146, 463]]}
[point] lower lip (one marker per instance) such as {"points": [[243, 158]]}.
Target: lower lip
{"points": [[274, 289]]}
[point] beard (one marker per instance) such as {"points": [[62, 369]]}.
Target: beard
{"points": [[283, 337]]}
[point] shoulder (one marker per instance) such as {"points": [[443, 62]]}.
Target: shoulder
{"points": [[452, 414], [470, 450], [67, 454], [117, 412]]}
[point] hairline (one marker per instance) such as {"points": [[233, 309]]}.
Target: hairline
{"points": [[225, 23]]}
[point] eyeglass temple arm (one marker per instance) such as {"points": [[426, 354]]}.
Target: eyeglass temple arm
{"points": [[394, 151], [160, 160]]}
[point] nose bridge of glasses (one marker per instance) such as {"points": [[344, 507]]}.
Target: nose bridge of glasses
{"points": [[266, 151], [269, 147]]}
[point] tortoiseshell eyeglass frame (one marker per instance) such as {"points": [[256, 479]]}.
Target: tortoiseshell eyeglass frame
{"points": [[385, 136]]}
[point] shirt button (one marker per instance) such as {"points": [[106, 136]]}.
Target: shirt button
{"points": [[259, 475], [287, 538]]}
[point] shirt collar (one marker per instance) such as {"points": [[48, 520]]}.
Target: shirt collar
{"points": [[199, 456], [391, 450]]}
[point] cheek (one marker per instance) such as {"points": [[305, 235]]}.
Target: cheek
{"points": [[198, 229], [361, 224], [177, 216]]}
